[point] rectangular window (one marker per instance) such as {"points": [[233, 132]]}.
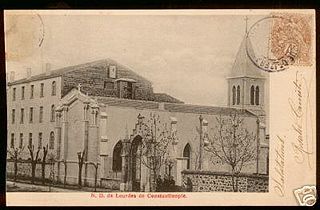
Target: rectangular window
{"points": [[21, 140], [54, 88], [40, 141], [51, 140], [41, 114], [22, 92], [52, 113], [31, 91], [41, 89], [13, 116], [30, 140], [31, 115], [12, 140], [22, 115], [14, 94]]}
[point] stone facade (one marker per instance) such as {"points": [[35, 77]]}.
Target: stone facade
{"points": [[22, 130], [98, 124], [209, 181]]}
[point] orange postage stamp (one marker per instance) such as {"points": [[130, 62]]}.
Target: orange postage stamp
{"points": [[291, 38]]}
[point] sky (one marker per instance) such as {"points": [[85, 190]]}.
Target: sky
{"points": [[186, 56]]}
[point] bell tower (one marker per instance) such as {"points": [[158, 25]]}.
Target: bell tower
{"points": [[246, 83]]}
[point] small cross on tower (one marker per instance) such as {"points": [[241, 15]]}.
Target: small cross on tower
{"points": [[246, 19]]}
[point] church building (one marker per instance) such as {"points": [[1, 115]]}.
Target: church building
{"points": [[112, 113]]}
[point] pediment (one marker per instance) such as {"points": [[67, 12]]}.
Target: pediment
{"points": [[76, 95]]}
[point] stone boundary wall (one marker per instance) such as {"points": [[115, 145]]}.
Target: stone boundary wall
{"points": [[208, 181], [24, 173], [110, 183], [24, 169]]}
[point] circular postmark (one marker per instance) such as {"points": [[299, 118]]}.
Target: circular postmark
{"points": [[278, 41], [41, 31], [24, 34]]}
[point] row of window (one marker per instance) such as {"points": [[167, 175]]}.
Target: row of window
{"points": [[31, 115], [53, 91], [30, 142], [254, 95], [235, 95]]}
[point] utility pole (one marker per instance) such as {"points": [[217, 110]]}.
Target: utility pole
{"points": [[201, 142], [258, 144]]}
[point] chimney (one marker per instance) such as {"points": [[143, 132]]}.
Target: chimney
{"points": [[11, 76], [48, 68], [28, 72]]}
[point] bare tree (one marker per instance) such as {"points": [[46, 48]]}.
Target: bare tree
{"points": [[195, 153], [80, 163], [95, 165], [43, 163], [34, 161], [169, 165], [196, 156], [232, 144], [51, 160], [154, 148], [65, 173], [15, 154]]}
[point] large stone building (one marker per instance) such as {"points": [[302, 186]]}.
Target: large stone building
{"points": [[32, 100], [105, 109]]}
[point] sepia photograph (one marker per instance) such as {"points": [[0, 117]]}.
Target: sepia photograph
{"points": [[147, 102]]}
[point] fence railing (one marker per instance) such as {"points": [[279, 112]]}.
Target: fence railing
{"points": [[50, 173]]}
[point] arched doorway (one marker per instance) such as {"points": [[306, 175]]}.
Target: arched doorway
{"points": [[136, 163], [187, 154], [117, 159]]}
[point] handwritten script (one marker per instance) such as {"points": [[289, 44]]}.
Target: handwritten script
{"points": [[278, 177], [301, 113]]}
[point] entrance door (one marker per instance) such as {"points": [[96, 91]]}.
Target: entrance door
{"points": [[136, 164], [187, 154]]}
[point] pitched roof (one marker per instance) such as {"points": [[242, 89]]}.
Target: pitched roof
{"points": [[138, 104], [163, 97], [123, 70], [199, 109], [243, 66], [171, 107]]}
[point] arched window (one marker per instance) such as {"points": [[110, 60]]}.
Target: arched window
{"points": [[187, 154], [51, 140], [116, 157], [53, 88], [233, 95], [238, 95], [252, 95], [52, 115], [257, 95]]}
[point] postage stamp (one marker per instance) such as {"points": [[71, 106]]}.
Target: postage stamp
{"points": [[288, 42], [291, 38]]}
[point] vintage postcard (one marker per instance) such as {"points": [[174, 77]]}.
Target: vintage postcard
{"points": [[170, 107]]}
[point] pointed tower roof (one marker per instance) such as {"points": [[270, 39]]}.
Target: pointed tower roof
{"points": [[243, 66]]}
